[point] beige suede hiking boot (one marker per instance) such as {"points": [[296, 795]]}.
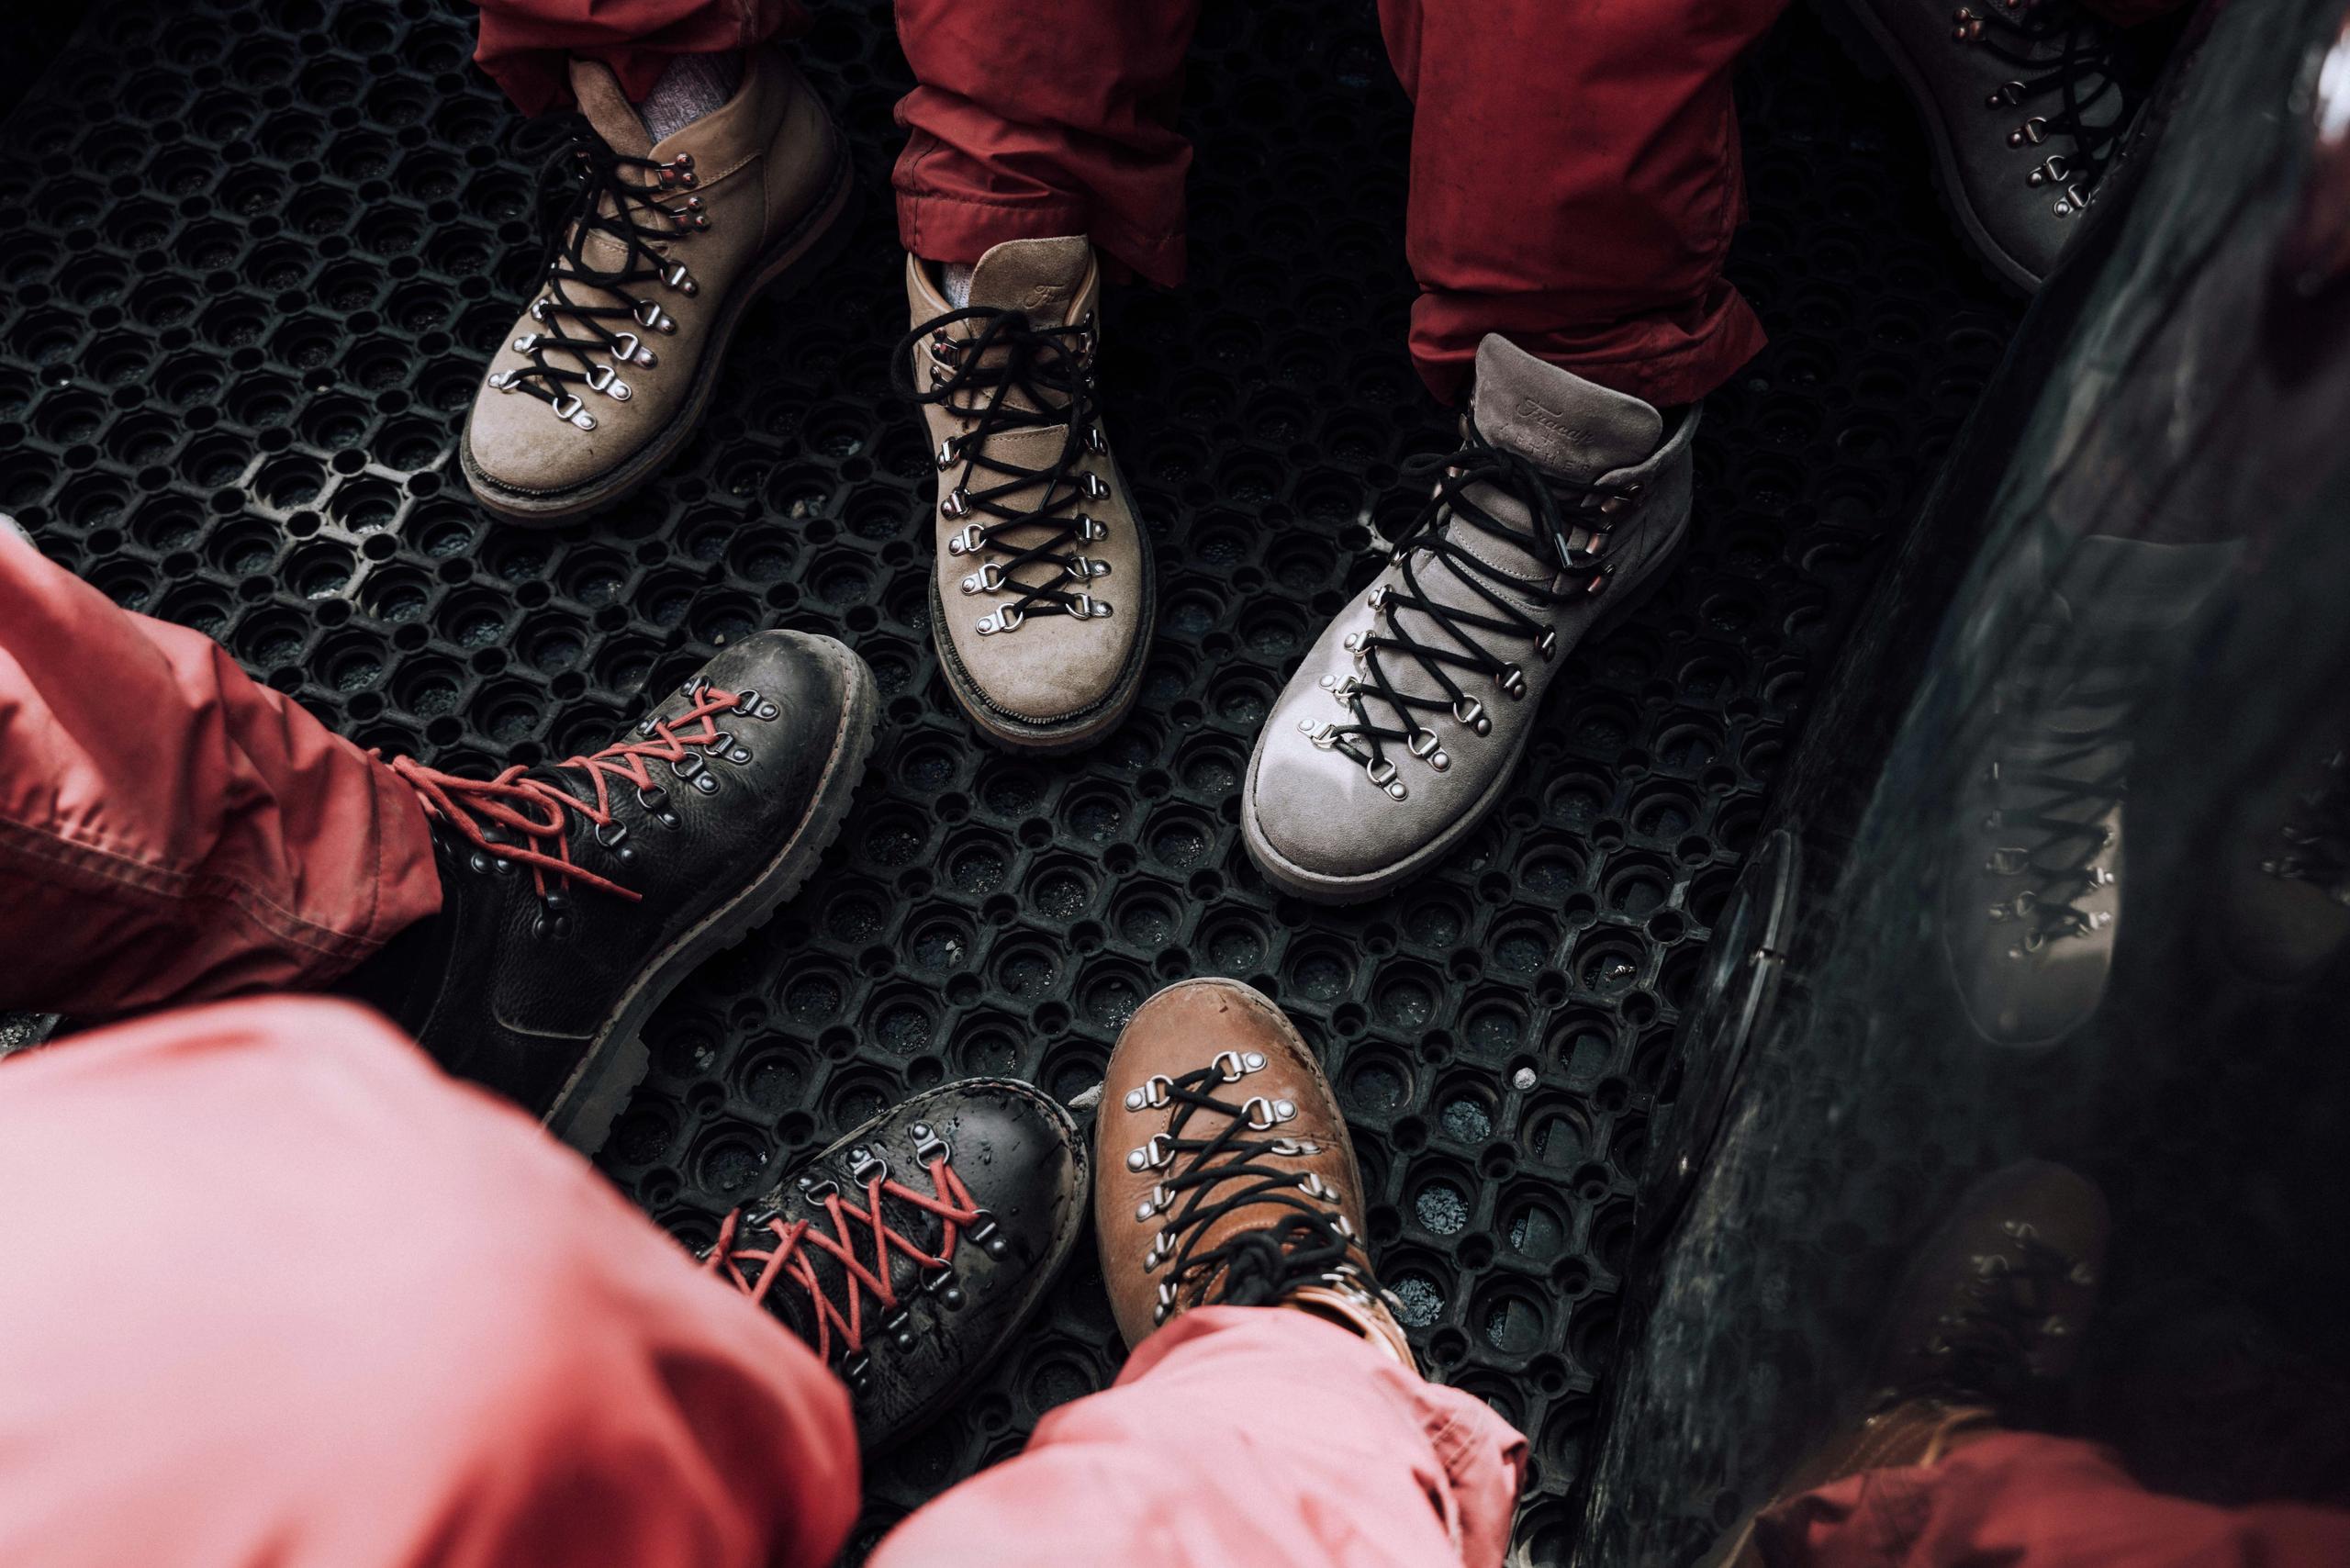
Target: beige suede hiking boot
{"points": [[1565, 505], [666, 245], [1041, 600]]}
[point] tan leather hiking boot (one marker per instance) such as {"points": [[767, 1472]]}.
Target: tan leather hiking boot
{"points": [[1041, 601], [1983, 1330], [611, 364], [1226, 1174]]}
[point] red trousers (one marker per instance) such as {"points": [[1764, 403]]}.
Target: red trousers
{"points": [[2020, 1500], [1574, 173]]}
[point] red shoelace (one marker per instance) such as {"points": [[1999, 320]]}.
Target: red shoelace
{"points": [[788, 1259], [534, 808]]}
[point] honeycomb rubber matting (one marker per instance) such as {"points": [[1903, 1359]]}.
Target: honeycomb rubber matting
{"points": [[256, 253]]}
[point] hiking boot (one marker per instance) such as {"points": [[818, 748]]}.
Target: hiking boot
{"points": [[1226, 1174], [2033, 892], [1982, 1332], [2284, 882], [661, 249], [909, 1254], [2027, 104], [1041, 598], [1403, 726], [576, 895]]}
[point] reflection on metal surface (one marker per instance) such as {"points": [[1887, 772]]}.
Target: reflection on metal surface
{"points": [[2105, 815], [1742, 981], [2316, 251]]}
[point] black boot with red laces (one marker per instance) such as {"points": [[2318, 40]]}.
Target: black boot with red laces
{"points": [[909, 1254], [576, 895]]}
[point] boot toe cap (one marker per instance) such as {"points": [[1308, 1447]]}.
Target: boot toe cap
{"points": [[515, 441], [1320, 813]]}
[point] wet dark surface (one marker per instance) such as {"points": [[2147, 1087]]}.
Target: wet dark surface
{"points": [[257, 252]]}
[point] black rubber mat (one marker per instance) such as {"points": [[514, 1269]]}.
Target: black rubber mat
{"points": [[257, 252]]}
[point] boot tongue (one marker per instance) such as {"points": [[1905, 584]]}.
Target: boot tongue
{"points": [[614, 118], [1042, 277], [608, 108], [1563, 424]]}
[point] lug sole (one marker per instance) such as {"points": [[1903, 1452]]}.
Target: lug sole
{"points": [[1875, 52], [1053, 737], [1315, 888], [618, 1057], [803, 251]]}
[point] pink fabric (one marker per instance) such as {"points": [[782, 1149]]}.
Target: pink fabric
{"points": [[170, 831], [277, 1294], [2024, 1500], [1240, 1437]]}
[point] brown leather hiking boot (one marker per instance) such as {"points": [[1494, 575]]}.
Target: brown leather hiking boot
{"points": [[610, 367], [1984, 1328], [1041, 598], [1226, 1174]]}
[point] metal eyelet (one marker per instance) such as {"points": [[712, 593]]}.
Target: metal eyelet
{"points": [[966, 540], [572, 412], [1232, 1066], [1513, 681], [1423, 745], [604, 378], [1152, 1094], [867, 1167], [629, 349], [989, 578], [1085, 568], [1092, 530], [928, 1145], [1085, 607], [1093, 487], [649, 314], [676, 277], [957, 503], [1154, 1155], [1262, 1114], [1323, 736], [947, 453], [1007, 619], [2031, 133]]}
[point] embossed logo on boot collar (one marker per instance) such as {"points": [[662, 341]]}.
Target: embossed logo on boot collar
{"points": [[1550, 419]]}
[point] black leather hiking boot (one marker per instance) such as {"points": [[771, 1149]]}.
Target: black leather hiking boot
{"points": [[911, 1253], [577, 895]]}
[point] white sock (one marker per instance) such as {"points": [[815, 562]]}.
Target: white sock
{"points": [[689, 88], [955, 278]]}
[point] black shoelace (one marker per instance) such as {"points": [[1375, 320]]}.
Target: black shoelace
{"points": [[1024, 529], [1209, 1176], [1986, 1348], [1450, 638], [2065, 831], [594, 319], [2316, 833], [2073, 79]]}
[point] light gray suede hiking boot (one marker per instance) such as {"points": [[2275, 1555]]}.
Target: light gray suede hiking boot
{"points": [[610, 367], [1041, 598], [1403, 726], [2026, 103]]}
